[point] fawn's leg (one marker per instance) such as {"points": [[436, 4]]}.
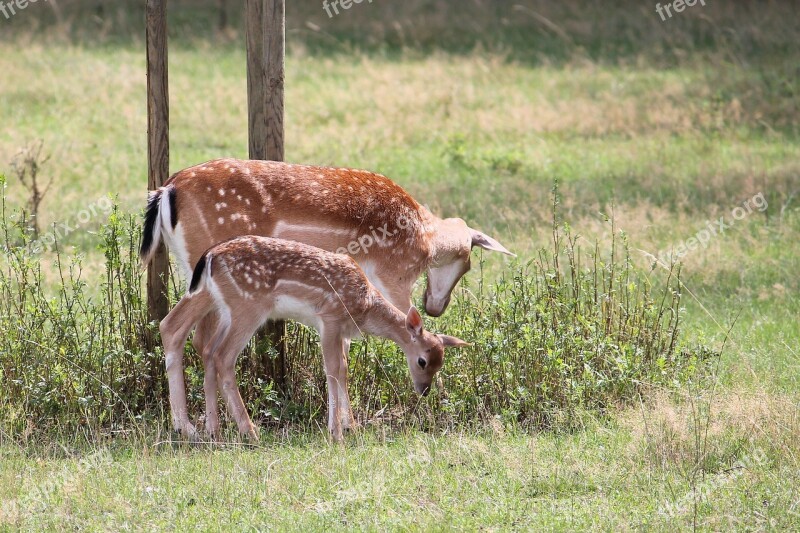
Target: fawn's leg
{"points": [[174, 330], [224, 358], [204, 338], [332, 357], [344, 397]]}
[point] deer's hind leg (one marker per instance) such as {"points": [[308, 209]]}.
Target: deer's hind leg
{"points": [[175, 329]]}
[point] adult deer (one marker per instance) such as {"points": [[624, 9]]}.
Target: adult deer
{"points": [[391, 236], [247, 280]]}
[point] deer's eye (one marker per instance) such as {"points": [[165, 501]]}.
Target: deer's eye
{"points": [[422, 363]]}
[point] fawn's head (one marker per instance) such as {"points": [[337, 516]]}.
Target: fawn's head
{"points": [[425, 351]]}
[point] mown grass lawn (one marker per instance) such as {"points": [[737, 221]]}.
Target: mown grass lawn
{"points": [[606, 477]]}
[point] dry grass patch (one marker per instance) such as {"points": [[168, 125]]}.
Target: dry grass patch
{"points": [[708, 432]]}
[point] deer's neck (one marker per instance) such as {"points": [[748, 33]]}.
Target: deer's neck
{"points": [[387, 321], [448, 239]]}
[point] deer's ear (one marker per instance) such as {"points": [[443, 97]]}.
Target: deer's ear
{"points": [[414, 322], [487, 243], [453, 342]]}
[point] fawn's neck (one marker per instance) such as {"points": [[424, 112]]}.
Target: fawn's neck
{"points": [[385, 320]]}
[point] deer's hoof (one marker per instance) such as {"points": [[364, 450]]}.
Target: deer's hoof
{"points": [[251, 435], [187, 432]]}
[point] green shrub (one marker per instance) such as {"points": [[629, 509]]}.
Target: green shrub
{"points": [[564, 332]]}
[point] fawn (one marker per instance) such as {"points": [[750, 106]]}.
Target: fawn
{"points": [[248, 280]]}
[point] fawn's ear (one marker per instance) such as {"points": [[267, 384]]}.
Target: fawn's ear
{"points": [[487, 243], [453, 342], [414, 322]]}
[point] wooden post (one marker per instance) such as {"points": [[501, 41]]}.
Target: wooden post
{"points": [[266, 36], [274, 52], [157, 144], [256, 79], [158, 163]]}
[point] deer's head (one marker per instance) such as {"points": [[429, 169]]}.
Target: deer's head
{"points": [[454, 243], [425, 351]]}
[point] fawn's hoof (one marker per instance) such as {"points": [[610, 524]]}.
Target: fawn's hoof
{"points": [[350, 425], [251, 435], [187, 433]]}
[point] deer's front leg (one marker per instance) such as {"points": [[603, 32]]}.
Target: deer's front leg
{"points": [[399, 293], [344, 397], [332, 356]]}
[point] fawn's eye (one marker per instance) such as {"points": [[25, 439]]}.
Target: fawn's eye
{"points": [[422, 363]]}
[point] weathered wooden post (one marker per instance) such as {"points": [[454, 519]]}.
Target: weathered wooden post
{"points": [[157, 155], [266, 37], [265, 22]]}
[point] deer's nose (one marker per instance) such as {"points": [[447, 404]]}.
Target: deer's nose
{"points": [[423, 388], [435, 306]]}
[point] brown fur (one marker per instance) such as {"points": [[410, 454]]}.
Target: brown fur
{"points": [[248, 280], [348, 203]]}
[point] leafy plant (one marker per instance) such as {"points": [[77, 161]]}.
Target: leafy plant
{"points": [[565, 332]]}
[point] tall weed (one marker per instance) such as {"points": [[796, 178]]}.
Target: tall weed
{"points": [[567, 331]]}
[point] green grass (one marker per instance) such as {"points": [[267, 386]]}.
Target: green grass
{"points": [[598, 478], [476, 111]]}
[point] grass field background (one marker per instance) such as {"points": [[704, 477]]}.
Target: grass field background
{"points": [[476, 108]]}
